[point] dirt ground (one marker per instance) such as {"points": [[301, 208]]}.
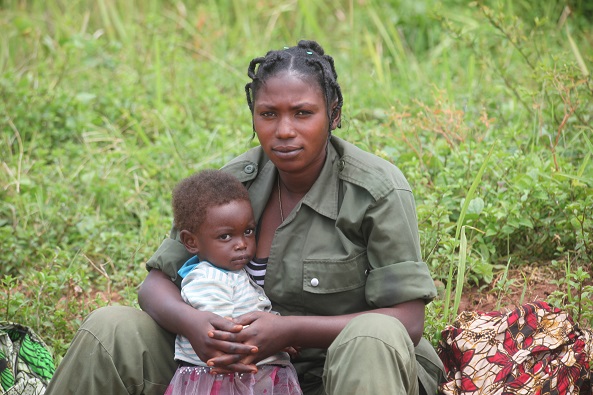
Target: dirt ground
{"points": [[530, 283]]}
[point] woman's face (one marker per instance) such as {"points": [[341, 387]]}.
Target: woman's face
{"points": [[291, 122]]}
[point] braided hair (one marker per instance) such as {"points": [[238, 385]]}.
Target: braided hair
{"points": [[307, 58]]}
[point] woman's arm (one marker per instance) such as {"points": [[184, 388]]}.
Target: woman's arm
{"points": [[272, 333], [161, 299], [320, 332]]}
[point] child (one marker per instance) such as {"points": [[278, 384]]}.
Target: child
{"points": [[213, 212]]}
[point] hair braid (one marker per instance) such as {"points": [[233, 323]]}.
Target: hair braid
{"points": [[308, 59], [252, 74], [326, 84]]}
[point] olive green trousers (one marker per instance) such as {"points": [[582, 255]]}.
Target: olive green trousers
{"points": [[121, 350]]}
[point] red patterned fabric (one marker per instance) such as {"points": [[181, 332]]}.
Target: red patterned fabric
{"points": [[534, 349]]}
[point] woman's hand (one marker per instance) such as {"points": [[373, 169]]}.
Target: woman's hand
{"points": [[200, 329], [265, 331], [271, 333], [161, 299]]}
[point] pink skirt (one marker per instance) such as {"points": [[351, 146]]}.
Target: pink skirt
{"points": [[269, 380]]}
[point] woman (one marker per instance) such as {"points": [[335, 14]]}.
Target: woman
{"points": [[337, 238]]}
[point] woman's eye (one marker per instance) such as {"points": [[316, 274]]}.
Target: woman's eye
{"points": [[266, 114]]}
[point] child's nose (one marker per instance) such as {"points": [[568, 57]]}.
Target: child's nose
{"points": [[241, 244]]}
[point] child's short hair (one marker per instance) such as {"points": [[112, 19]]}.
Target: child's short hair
{"points": [[193, 196]]}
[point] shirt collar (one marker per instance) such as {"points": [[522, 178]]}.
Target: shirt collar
{"points": [[322, 197], [192, 263]]}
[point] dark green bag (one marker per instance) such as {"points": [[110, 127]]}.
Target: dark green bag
{"points": [[26, 365]]}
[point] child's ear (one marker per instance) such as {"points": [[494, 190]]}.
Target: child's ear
{"points": [[190, 241]]}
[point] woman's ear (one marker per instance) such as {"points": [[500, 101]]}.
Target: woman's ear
{"points": [[337, 116], [190, 241]]}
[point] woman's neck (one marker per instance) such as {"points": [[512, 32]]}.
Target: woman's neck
{"points": [[297, 184]]}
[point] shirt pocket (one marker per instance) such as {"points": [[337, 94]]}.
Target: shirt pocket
{"points": [[326, 276]]}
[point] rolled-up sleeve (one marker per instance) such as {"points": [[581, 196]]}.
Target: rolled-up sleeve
{"points": [[401, 282], [397, 273]]}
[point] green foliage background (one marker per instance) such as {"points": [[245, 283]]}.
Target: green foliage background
{"points": [[105, 105]]}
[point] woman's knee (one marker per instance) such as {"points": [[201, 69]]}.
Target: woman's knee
{"points": [[121, 317], [117, 350], [373, 354], [121, 328], [140, 349], [384, 328]]}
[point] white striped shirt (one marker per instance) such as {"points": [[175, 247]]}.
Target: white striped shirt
{"points": [[226, 293]]}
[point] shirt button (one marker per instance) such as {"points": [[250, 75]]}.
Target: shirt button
{"points": [[262, 298], [341, 164], [314, 282], [249, 169]]}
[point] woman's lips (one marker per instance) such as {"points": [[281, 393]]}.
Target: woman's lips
{"points": [[286, 152]]}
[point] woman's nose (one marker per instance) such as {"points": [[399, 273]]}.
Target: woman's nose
{"points": [[285, 128]]}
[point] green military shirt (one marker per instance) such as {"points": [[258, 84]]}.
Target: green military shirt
{"points": [[350, 245]]}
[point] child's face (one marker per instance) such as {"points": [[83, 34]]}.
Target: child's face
{"points": [[227, 236]]}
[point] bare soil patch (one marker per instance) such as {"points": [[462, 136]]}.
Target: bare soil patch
{"points": [[525, 284]]}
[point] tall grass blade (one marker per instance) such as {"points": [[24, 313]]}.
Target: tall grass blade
{"points": [[158, 78], [105, 17], [524, 291], [311, 11], [391, 38], [577, 54], [468, 198], [460, 272], [117, 23], [472, 191], [503, 283], [376, 57]]}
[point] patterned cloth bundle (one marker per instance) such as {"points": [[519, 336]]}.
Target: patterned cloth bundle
{"points": [[26, 365], [534, 349]]}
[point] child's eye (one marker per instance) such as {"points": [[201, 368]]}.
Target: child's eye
{"points": [[224, 237], [249, 232]]}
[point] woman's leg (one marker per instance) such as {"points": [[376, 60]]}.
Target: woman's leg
{"points": [[117, 350], [372, 355]]}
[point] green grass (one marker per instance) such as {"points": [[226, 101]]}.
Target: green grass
{"points": [[486, 107]]}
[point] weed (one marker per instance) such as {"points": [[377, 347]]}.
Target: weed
{"points": [[575, 292], [105, 105]]}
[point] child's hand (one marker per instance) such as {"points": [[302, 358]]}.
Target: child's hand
{"points": [[293, 351]]}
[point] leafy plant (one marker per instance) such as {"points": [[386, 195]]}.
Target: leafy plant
{"points": [[104, 105], [575, 293]]}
